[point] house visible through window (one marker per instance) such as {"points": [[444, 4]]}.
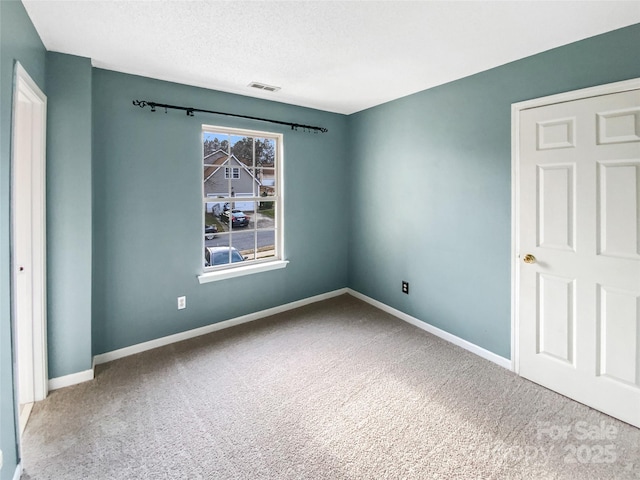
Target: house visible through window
{"points": [[232, 172], [241, 197]]}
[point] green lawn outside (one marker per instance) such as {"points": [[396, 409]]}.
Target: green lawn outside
{"points": [[211, 219], [270, 212]]}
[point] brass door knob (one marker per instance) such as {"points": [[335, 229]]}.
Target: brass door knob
{"points": [[528, 258]]}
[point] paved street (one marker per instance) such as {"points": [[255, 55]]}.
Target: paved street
{"points": [[243, 239]]}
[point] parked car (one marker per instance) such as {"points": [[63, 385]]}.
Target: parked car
{"points": [[220, 255], [238, 218], [210, 232]]}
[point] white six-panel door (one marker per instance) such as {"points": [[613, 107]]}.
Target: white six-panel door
{"points": [[28, 237], [578, 299]]}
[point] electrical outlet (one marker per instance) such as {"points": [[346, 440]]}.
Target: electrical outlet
{"points": [[182, 303], [405, 287]]}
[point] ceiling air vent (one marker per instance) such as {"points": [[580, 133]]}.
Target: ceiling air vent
{"points": [[262, 86]]}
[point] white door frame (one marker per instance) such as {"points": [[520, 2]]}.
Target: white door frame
{"points": [[25, 87], [599, 90]]}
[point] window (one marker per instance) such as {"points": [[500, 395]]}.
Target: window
{"points": [[242, 191], [231, 172]]}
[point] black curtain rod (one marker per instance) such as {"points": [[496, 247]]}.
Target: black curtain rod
{"points": [[190, 111]]}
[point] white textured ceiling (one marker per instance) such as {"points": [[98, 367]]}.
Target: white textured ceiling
{"points": [[339, 56]]}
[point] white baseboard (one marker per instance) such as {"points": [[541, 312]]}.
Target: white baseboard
{"points": [[473, 348], [86, 375], [72, 379], [196, 332], [18, 472], [23, 416]]}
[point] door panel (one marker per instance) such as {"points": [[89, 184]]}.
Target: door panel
{"points": [[556, 317], [579, 199], [618, 330], [618, 225], [619, 126], [555, 206], [558, 133]]}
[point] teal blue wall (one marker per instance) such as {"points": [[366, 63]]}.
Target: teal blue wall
{"points": [[434, 170], [69, 208], [18, 41], [147, 210]]}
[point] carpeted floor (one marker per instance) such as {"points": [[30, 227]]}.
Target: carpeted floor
{"points": [[334, 390]]}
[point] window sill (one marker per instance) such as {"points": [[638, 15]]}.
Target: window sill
{"points": [[241, 271]]}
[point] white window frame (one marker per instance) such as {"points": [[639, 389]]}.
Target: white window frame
{"points": [[231, 173], [221, 272]]}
